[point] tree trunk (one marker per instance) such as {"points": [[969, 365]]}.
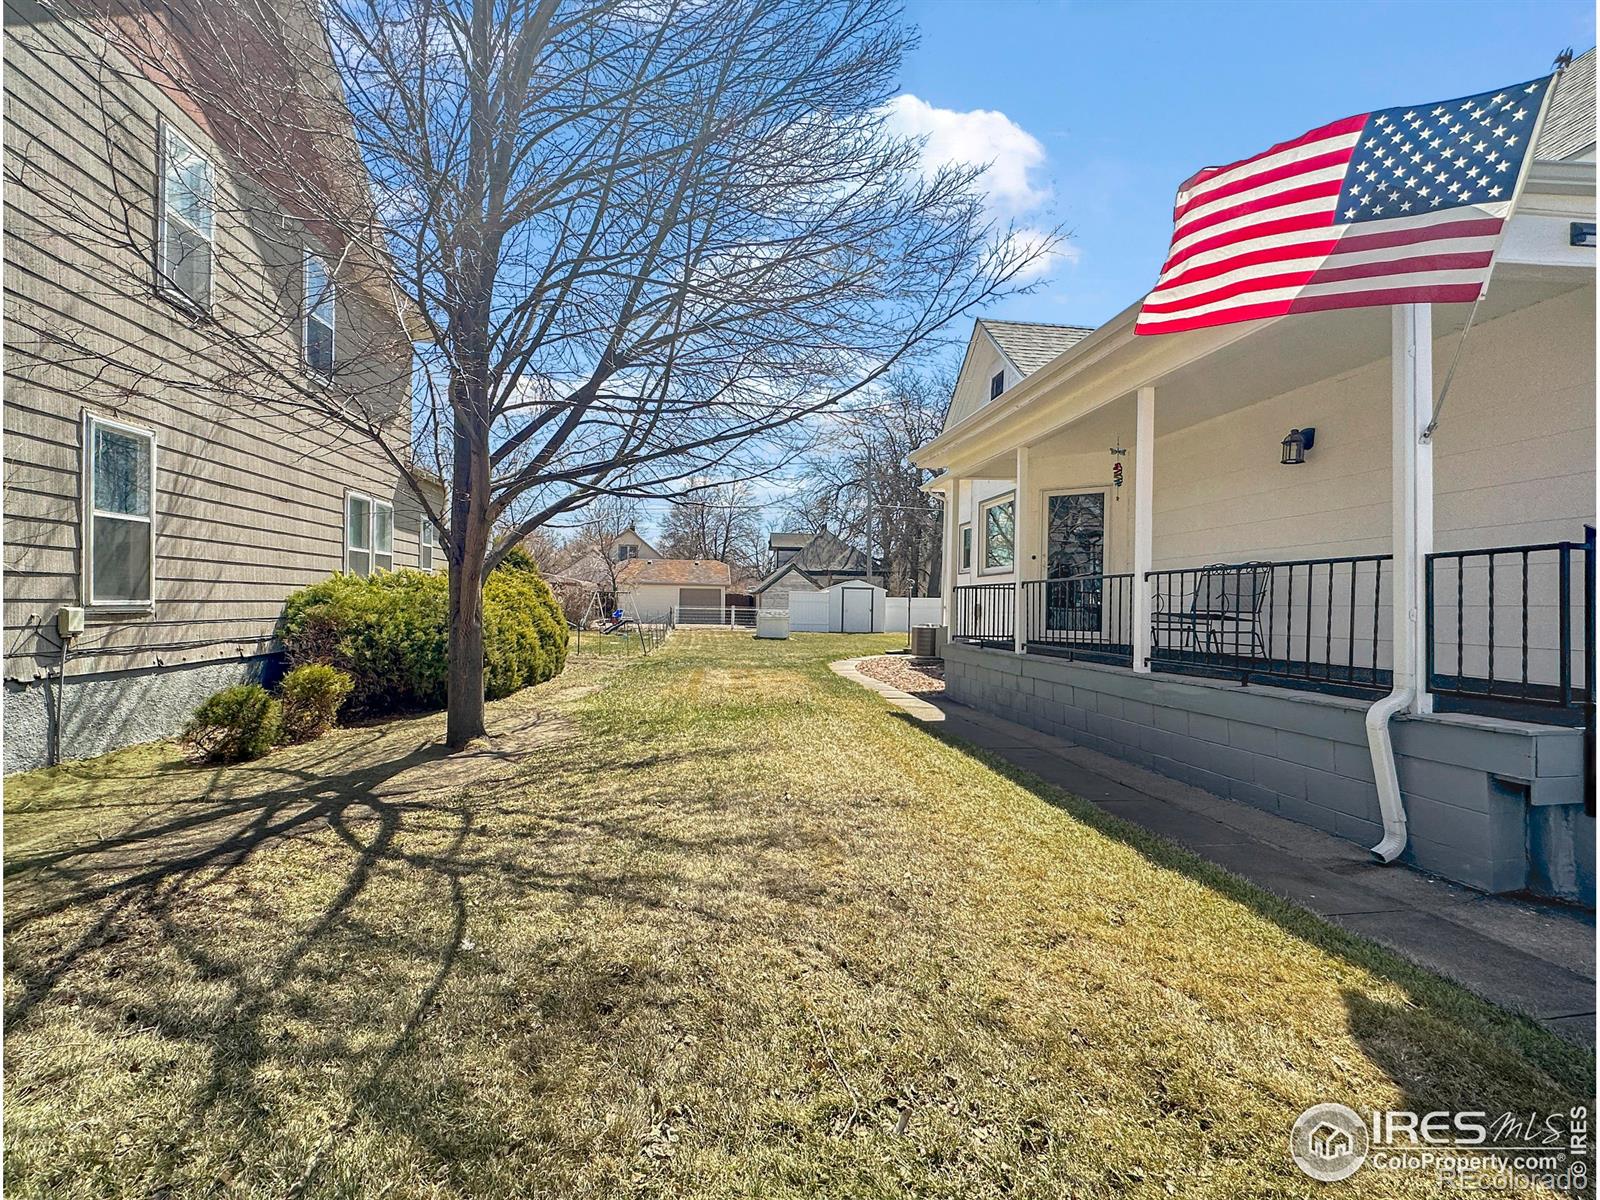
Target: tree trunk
{"points": [[470, 529]]}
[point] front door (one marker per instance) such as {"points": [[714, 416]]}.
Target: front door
{"points": [[1075, 538]]}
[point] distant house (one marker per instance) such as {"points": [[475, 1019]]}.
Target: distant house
{"points": [[693, 590], [808, 562]]}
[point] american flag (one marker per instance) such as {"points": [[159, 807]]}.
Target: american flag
{"points": [[1400, 206]]}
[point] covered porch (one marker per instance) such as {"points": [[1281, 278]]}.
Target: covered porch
{"points": [[1144, 509]]}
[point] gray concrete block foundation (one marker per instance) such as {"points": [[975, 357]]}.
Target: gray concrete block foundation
{"points": [[1494, 804]]}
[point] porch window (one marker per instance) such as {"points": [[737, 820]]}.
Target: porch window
{"points": [[119, 521], [999, 525], [318, 332], [966, 546], [187, 219]]}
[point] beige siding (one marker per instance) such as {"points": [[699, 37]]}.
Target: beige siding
{"points": [[250, 493], [983, 361], [1513, 459]]}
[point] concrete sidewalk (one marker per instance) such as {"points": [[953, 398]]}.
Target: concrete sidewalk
{"points": [[1524, 955]]}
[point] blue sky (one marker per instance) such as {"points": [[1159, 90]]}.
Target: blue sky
{"points": [[1093, 113]]}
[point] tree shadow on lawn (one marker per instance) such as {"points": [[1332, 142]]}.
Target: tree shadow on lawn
{"points": [[1418, 1044], [175, 928]]}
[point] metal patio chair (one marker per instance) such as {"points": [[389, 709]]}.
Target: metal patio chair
{"points": [[1224, 611]]}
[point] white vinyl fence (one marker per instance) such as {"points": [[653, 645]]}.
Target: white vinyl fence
{"points": [[900, 613], [808, 612]]}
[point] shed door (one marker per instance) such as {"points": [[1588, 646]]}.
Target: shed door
{"points": [[857, 613]]}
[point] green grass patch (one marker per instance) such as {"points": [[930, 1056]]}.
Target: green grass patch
{"points": [[714, 922]]}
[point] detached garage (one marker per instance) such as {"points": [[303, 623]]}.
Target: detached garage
{"points": [[694, 589]]}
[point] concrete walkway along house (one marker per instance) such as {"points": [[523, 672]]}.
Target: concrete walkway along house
{"points": [[1230, 554], [155, 491]]}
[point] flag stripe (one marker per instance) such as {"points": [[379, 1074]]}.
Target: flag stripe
{"points": [[1332, 159], [1442, 294], [1313, 288], [1308, 254], [1319, 273], [1344, 132]]}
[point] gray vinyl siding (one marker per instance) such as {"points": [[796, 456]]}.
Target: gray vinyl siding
{"points": [[249, 499]]}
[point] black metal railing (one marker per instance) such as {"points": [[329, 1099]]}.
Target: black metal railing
{"points": [[1318, 623], [1511, 628], [1080, 616], [983, 614]]}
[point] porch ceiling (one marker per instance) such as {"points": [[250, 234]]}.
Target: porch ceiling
{"points": [[1301, 350]]}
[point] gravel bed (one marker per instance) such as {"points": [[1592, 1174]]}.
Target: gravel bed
{"points": [[909, 675]]}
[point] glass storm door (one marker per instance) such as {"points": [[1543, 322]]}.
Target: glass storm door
{"points": [[1075, 535]]}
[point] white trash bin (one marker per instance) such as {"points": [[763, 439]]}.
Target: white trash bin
{"points": [[772, 623]]}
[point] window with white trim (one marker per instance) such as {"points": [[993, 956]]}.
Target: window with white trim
{"points": [[966, 546], [368, 534], [382, 535], [997, 385], [317, 336], [427, 544], [187, 222], [626, 551], [999, 527], [119, 516]]}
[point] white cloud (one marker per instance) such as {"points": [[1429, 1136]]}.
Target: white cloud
{"points": [[1062, 253], [980, 136]]}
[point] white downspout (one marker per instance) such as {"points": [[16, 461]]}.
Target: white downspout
{"points": [[1412, 485]]}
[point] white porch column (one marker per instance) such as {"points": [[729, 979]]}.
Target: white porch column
{"points": [[952, 550], [1024, 545], [1144, 490], [1412, 484]]}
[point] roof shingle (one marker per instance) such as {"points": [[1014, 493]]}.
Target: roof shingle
{"points": [[686, 572], [1029, 344], [1569, 123]]}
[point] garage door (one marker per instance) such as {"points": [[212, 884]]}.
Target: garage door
{"points": [[699, 606]]}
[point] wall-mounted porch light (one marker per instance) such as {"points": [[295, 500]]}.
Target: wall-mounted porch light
{"points": [[1296, 445]]}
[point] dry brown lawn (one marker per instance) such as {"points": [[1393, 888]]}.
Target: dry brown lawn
{"points": [[711, 923]]}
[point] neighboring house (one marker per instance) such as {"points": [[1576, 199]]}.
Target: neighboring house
{"points": [[175, 519], [692, 589], [589, 577], [808, 562], [1138, 526]]}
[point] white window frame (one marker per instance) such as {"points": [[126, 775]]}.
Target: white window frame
{"points": [[428, 543], [1000, 378], [88, 513], [167, 134], [373, 505], [333, 315], [964, 547], [982, 537]]}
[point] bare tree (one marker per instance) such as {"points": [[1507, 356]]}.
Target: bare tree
{"points": [[864, 490], [635, 241], [721, 522]]}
